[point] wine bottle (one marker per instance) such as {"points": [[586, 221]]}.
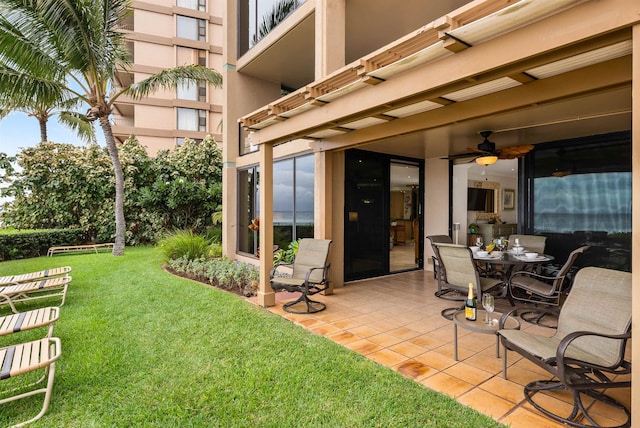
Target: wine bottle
{"points": [[470, 305]]}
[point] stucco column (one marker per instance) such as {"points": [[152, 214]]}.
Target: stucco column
{"points": [[229, 132], [635, 215], [266, 296], [323, 204], [330, 36]]}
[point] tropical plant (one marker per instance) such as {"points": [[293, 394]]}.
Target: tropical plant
{"points": [[63, 50], [63, 185], [184, 243]]}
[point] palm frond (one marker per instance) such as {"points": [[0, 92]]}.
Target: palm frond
{"points": [[21, 89], [79, 124], [170, 79]]}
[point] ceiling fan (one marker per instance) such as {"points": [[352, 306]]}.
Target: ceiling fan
{"points": [[487, 154]]}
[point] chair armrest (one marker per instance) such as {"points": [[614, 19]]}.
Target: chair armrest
{"points": [[310, 271], [274, 269], [536, 275], [505, 316], [566, 341]]}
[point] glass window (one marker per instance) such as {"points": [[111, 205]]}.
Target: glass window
{"points": [[259, 17], [243, 141], [189, 56], [191, 28], [192, 120], [247, 212], [192, 4], [304, 179], [283, 200], [187, 90], [293, 198], [582, 196]]}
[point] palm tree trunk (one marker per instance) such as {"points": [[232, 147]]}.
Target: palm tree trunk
{"points": [[43, 130], [118, 248]]}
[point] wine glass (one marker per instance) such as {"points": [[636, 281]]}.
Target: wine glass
{"points": [[488, 305], [479, 242]]}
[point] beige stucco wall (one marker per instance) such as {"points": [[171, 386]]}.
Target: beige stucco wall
{"points": [[155, 144], [155, 24], [154, 55], [155, 117]]}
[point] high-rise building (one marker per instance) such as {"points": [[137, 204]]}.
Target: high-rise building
{"points": [[162, 34]]}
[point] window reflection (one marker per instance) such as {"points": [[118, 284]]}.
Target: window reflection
{"points": [[259, 17], [293, 198], [582, 196]]}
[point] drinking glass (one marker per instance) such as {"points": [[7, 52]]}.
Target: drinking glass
{"points": [[489, 306], [479, 242]]}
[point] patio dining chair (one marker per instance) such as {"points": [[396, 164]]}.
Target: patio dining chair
{"points": [[310, 275], [458, 271], [441, 239], [586, 355], [531, 287], [28, 291]]}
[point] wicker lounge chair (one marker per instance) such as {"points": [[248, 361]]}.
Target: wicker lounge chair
{"points": [[16, 360], [587, 353], [28, 291], [310, 275], [34, 276]]}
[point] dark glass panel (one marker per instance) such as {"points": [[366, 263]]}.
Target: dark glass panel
{"points": [[305, 169], [366, 216], [582, 196]]}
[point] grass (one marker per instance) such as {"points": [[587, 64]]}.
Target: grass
{"points": [[142, 348]]}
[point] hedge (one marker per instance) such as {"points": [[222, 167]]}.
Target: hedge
{"points": [[25, 244]]}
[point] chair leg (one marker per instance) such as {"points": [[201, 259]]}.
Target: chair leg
{"points": [[579, 416], [313, 306]]}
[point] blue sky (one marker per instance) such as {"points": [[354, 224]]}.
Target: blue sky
{"points": [[18, 130]]}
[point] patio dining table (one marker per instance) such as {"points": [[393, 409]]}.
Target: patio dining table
{"points": [[503, 263]]}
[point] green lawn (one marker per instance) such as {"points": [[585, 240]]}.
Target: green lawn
{"points": [[144, 348]]}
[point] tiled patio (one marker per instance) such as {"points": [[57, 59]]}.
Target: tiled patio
{"points": [[396, 322]]}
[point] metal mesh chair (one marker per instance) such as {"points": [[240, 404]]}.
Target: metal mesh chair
{"points": [[458, 271], [310, 275], [586, 354], [531, 287]]}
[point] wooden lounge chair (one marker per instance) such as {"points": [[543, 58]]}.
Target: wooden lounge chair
{"points": [[16, 360], [34, 276], [310, 275], [27, 291], [586, 355]]}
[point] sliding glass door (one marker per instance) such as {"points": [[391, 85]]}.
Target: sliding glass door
{"points": [[383, 210]]}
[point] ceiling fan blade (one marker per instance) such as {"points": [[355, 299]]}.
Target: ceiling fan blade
{"points": [[460, 156]]}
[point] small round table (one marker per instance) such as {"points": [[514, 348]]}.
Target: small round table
{"points": [[479, 326]]}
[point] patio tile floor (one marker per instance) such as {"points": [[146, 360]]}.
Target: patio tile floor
{"points": [[396, 322]]}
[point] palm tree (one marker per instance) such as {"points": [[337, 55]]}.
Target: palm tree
{"points": [[42, 111], [68, 49]]}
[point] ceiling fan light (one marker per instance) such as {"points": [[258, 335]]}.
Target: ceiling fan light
{"points": [[486, 160]]}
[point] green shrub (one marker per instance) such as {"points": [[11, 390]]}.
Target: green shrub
{"points": [[184, 244], [219, 272]]}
